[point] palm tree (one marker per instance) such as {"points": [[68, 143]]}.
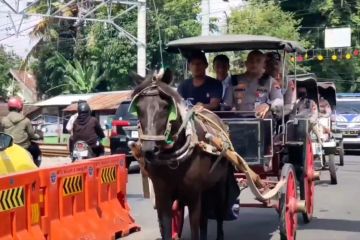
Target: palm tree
{"points": [[80, 79]]}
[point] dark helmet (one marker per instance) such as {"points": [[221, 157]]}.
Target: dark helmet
{"points": [[83, 107], [15, 103]]}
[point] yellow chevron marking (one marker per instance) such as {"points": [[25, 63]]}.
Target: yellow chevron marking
{"points": [[35, 213], [73, 185], [108, 175], [12, 198]]}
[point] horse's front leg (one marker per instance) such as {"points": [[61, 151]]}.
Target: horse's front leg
{"points": [[195, 215], [164, 211], [203, 218], [220, 209]]}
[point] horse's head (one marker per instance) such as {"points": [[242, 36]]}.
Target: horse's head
{"points": [[155, 104]]}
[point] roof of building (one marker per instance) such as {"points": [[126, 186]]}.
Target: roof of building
{"points": [[64, 100], [104, 101], [26, 78]]}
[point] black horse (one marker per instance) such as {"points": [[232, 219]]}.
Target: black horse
{"points": [[179, 170]]}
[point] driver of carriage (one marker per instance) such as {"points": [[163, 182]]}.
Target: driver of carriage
{"points": [[200, 88], [305, 107], [257, 90]]}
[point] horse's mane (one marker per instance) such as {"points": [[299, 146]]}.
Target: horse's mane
{"points": [[164, 87]]}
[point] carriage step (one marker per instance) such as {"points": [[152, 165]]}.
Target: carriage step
{"points": [[295, 143]]}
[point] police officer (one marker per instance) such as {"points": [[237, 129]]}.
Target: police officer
{"points": [[256, 90]]}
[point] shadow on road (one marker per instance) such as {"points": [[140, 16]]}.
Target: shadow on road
{"points": [[333, 225], [252, 223]]}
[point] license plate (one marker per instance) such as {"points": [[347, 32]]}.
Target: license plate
{"points": [[134, 134], [82, 153]]}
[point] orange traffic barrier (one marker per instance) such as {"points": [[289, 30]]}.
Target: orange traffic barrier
{"points": [[19, 207], [86, 200], [115, 210]]}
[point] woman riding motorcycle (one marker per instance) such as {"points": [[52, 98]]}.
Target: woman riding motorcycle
{"points": [[19, 127], [87, 128]]}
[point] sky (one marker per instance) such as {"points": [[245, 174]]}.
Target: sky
{"points": [[22, 43]]}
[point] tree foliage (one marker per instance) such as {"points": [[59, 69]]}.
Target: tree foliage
{"points": [[314, 16], [113, 53], [264, 18], [8, 60]]}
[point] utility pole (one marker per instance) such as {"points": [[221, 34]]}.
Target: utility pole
{"points": [[205, 17], [141, 36]]}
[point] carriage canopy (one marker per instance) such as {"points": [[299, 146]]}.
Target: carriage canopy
{"points": [[309, 81], [222, 43], [327, 90]]}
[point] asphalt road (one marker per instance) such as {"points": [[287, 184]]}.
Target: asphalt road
{"points": [[336, 216]]}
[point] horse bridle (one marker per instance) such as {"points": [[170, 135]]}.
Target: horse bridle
{"points": [[155, 90]]}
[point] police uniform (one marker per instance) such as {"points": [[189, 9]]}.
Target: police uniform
{"points": [[248, 94]]}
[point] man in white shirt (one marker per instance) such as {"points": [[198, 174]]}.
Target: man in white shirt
{"points": [[221, 66]]}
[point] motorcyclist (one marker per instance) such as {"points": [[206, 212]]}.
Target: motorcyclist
{"points": [[20, 128], [87, 128]]}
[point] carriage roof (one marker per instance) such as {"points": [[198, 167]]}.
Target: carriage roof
{"points": [[327, 90], [221, 43], [309, 81]]}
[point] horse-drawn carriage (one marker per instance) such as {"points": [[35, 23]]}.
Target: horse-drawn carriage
{"points": [[324, 144], [327, 91], [261, 150]]}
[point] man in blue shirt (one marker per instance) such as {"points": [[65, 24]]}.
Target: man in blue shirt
{"points": [[200, 88]]}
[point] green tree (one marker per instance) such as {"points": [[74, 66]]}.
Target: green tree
{"points": [[315, 15], [114, 54], [264, 18], [7, 60], [79, 78]]}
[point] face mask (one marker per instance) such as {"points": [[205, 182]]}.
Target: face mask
{"points": [[301, 94]]}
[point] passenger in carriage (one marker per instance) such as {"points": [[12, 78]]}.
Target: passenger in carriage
{"points": [[324, 108], [257, 90], [221, 66], [200, 88], [273, 68], [307, 108]]}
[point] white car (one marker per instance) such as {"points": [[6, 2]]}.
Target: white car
{"points": [[347, 119]]}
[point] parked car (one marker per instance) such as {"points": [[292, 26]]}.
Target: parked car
{"points": [[124, 129], [347, 119]]}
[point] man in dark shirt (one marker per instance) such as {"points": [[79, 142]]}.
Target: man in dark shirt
{"points": [[200, 88]]}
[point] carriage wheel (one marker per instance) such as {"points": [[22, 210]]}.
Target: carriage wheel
{"points": [[341, 153], [307, 184], [332, 169], [288, 201], [177, 220]]}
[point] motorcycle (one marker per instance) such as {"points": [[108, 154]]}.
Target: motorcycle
{"points": [[13, 158], [81, 151]]}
